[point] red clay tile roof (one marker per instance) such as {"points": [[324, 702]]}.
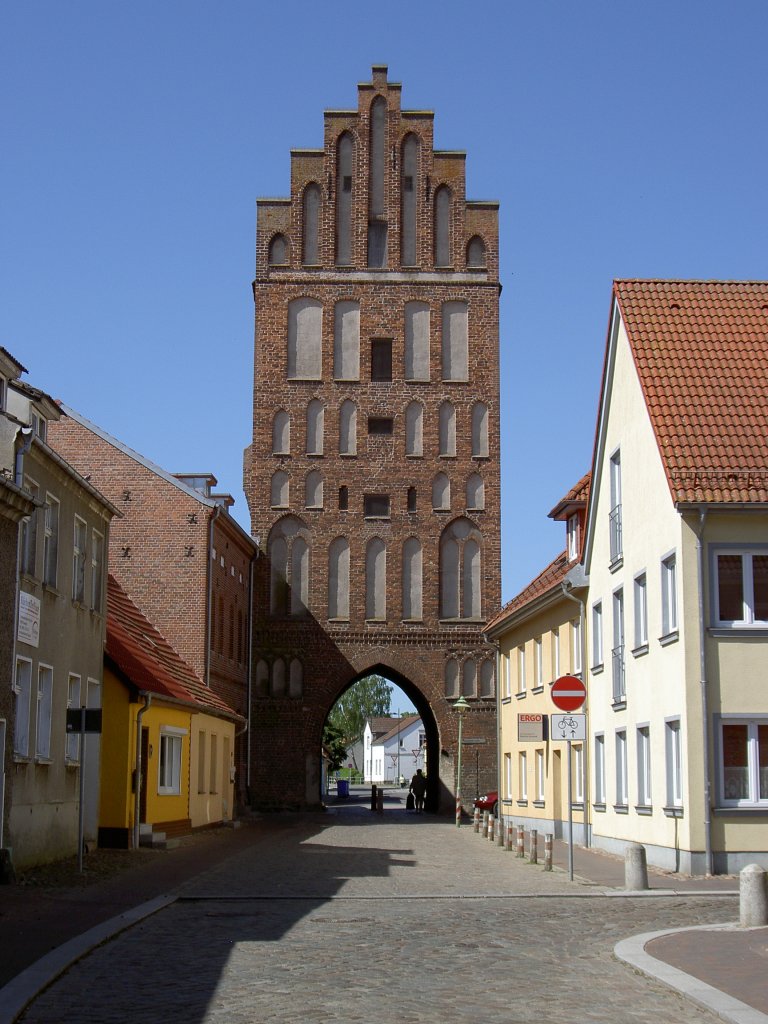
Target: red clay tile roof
{"points": [[578, 495], [701, 352], [397, 726], [547, 580], [148, 660]]}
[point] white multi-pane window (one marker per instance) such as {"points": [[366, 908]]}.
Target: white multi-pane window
{"points": [[521, 670], [743, 761], [674, 766], [44, 703], [506, 676], [51, 541], [614, 516], [169, 761], [523, 787], [540, 777], [22, 689], [668, 595], [538, 663], [508, 776], [572, 536], [617, 654], [29, 533], [555, 653], [79, 542], [577, 752], [641, 611], [72, 749], [597, 634], [576, 647], [97, 571], [622, 789], [741, 587], [644, 766], [599, 759]]}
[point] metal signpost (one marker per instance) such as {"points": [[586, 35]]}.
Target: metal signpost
{"points": [[568, 694], [82, 721]]}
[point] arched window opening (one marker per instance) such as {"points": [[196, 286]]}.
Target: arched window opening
{"points": [[376, 579], [377, 225], [476, 253], [311, 225], [455, 341], [486, 679], [441, 493], [278, 251], [289, 567], [346, 341], [315, 423], [414, 429], [442, 226], [279, 490], [475, 493], [338, 579], [412, 586], [305, 339], [416, 341], [344, 178], [460, 571], [281, 433], [409, 193], [479, 431], [348, 428], [447, 438]]}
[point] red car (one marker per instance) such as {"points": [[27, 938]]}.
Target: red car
{"points": [[489, 802]]}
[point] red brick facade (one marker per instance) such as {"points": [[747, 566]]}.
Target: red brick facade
{"points": [[393, 227]]}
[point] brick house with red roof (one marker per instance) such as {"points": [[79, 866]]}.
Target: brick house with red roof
{"points": [[676, 560]]}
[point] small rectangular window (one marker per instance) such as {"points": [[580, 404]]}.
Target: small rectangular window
{"points": [[674, 764], [78, 560], [343, 498], [523, 775], [381, 359], [599, 769], [622, 794], [169, 766], [376, 506], [346, 183], [641, 611], [741, 587], [380, 425], [51, 541], [669, 595], [408, 183]]}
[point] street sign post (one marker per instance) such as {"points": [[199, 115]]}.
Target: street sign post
{"points": [[568, 695]]}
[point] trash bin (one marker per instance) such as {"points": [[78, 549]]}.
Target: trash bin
{"points": [[342, 787]]}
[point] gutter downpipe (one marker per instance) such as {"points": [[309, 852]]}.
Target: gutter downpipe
{"points": [[249, 682], [209, 609], [566, 587], [137, 795], [704, 697]]}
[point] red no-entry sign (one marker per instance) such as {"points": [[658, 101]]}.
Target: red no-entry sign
{"points": [[568, 693]]}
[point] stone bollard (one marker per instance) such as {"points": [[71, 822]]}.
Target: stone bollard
{"points": [[548, 851], [374, 798], [635, 867], [534, 855], [521, 841], [510, 842], [500, 832], [491, 828], [486, 816], [380, 801], [476, 820], [753, 896]]}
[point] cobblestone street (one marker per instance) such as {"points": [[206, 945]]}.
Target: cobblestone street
{"points": [[341, 914]]}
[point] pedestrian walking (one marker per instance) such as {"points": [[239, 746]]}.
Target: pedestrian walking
{"points": [[419, 788]]}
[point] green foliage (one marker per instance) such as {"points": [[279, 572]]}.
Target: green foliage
{"points": [[367, 698], [335, 747]]}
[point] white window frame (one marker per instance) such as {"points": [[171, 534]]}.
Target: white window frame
{"points": [[506, 669], [43, 712], [540, 776], [622, 783], [669, 610], [556, 653], [97, 571], [643, 740], [597, 635], [72, 745], [674, 761], [576, 666], [619, 648], [614, 516], [572, 537], [521, 683], [523, 781], [753, 768], [79, 554], [640, 595], [22, 689], [577, 750], [508, 775], [538, 663], [52, 517], [600, 795], [749, 618], [169, 760]]}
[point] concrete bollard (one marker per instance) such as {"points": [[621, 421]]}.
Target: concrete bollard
{"points": [[534, 854], [374, 798], [753, 896], [491, 828], [521, 841], [380, 801], [548, 851], [510, 840], [476, 820], [635, 867], [500, 832], [486, 816]]}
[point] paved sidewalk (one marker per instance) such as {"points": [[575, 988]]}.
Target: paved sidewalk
{"points": [[274, 882]]}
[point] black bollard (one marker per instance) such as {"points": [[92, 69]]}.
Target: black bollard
{"points": [[374, 798]]}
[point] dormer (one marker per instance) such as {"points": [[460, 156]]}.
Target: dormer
{"points": [[31, 407], [200, 482], [572, 510]]}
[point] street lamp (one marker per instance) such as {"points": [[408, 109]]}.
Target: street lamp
{"points": [[460, 707]]}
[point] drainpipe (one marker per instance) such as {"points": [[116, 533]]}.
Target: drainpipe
{"points": [[704, 696], [209, 602], [26, 434], [249, 678], [566, 586], [137, 795]]}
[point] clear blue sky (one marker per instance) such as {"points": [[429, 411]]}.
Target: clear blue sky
{"points": [[622, 140]]}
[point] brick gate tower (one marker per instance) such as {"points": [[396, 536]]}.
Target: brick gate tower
{"points": [[373, 476]]}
